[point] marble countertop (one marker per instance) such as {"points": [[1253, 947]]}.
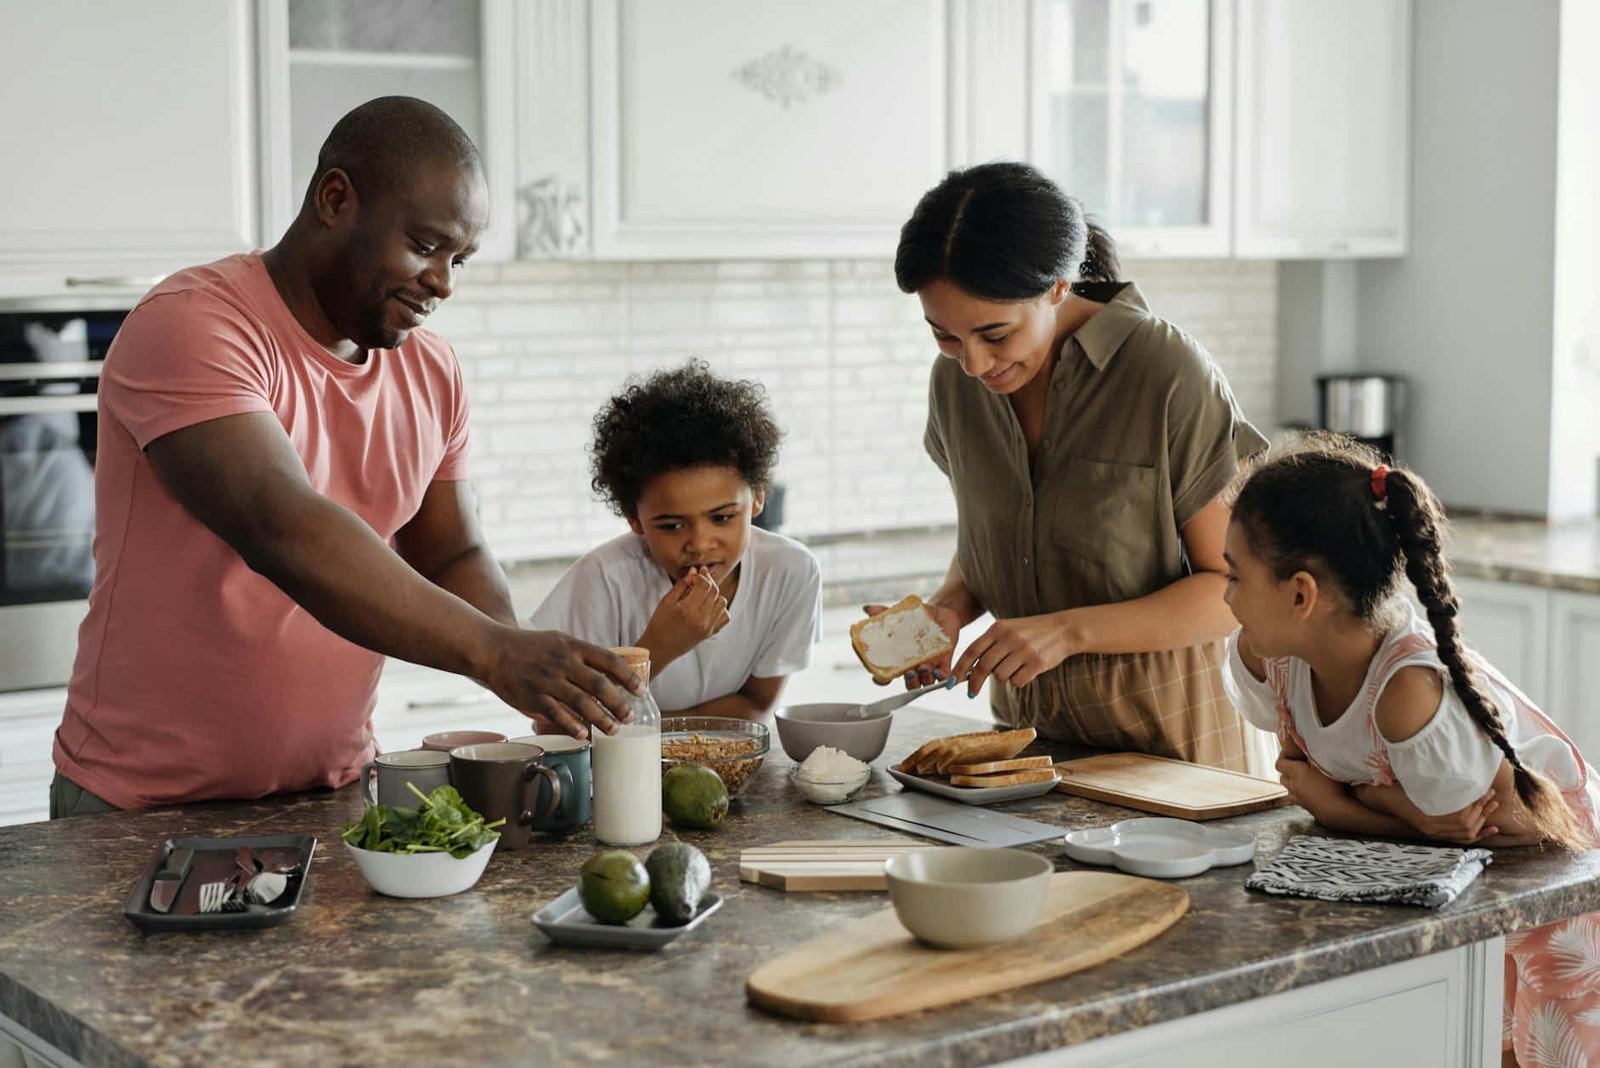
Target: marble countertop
{"points": [[858, 568], [359, 978], [1559, 556]]}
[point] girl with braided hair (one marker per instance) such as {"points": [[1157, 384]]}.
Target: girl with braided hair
{"points": [[1389, 724]]}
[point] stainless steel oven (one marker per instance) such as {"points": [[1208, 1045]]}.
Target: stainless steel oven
{"points": [[49, 373]]}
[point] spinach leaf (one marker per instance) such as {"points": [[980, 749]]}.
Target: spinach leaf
{"points": [[442, 823]]}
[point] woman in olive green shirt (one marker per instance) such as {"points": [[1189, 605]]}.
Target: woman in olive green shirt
{"points": [[1087, 442]]}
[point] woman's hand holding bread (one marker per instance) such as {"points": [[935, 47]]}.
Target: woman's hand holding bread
{"points": [[914, 639]]}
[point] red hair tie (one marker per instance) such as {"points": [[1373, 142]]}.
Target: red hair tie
{"points": [[1380, 486]]}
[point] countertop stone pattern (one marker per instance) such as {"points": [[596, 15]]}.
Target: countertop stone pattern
{"points": [[890, 564], [1559, 556], [359, 978]]}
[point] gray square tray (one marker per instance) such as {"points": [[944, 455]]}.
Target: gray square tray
{"points": [[213, 858], [567, 923]]}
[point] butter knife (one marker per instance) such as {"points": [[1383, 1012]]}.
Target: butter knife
{"points": [[889, 704], [169, 880]]}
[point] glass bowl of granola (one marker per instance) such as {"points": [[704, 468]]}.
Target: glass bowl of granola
{"points": [[733, 748]]}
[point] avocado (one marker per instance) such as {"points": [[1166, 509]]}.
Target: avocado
{"points": [[679, 877], [693, 797], [614, 886]]}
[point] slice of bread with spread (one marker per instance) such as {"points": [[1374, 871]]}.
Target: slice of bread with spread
{"points": [[898, 639], [1005, 778]]}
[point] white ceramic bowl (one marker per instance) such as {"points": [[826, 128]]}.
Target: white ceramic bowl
{"points": [[421, 874], [801, 728], [829, 793], [957, 897]]}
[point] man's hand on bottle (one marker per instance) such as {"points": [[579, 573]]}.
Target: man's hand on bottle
{"points": [[575, 685]]}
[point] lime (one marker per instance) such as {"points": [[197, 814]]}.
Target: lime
{"points": [[614, 886], [693, 796]]}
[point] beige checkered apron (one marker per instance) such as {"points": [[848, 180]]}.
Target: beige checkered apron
{"points": [[1170, 704]]}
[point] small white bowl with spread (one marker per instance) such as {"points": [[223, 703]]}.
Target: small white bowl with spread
{"points": [[830, 776]]}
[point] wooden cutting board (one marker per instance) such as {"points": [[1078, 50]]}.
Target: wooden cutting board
{"points": [[873, 968], [818, 866], [1167, 787]]}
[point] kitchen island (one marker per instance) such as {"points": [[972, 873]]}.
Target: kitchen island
{"points": [[356, 978]]}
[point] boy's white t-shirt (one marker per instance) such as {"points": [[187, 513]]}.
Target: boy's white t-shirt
{"points": [[609, 595]]}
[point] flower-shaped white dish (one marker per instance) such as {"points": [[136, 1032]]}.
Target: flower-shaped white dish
{"points": [[1161, 848]]}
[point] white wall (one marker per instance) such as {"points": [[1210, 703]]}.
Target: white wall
{"points": [[1317, 331], [843, 353], [1467, 313], [1575, 433]]}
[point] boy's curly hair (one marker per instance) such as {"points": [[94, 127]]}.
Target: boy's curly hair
{"points": [[681, 418]]}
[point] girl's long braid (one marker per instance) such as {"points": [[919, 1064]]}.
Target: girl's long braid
{"points": [[1415, 517]]}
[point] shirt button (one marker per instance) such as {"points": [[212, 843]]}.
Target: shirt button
{"points": [[1025, 561], [1045, 444]]}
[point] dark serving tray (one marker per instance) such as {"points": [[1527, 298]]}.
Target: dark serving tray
{"points": [[213, 860]]}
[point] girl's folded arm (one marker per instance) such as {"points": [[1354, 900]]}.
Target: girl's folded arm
{"points": [[753, 700], [1411, 701]]}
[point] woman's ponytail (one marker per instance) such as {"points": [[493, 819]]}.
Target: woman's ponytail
{"points": [[1100, 262]]}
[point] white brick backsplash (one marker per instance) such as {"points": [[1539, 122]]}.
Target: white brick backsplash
{"points": [[844, 356]]}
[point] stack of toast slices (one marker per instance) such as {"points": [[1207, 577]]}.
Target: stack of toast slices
{"points": [[981, 760]]}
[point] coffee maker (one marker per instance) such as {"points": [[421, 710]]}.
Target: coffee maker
{"points": [[1365, 406]]}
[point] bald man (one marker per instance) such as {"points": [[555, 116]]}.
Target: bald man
{"points": [[282, 500]]}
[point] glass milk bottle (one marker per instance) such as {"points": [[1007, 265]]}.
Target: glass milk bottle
{"points": [[627, 768]]}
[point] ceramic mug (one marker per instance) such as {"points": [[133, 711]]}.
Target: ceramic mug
{"points": [[568, 757], [501, 780], [383, 781], [445, 741]]}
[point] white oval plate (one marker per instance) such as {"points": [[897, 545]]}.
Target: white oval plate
{"points": [[1161, 848]]}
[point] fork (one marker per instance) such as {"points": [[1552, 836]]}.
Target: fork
{"points": [[212, 896], [221, 896]]}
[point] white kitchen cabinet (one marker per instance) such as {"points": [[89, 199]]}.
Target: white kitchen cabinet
{"points": [[1574, 693], [1438, 1011], [129, 142], [28, 722], [321, 58], [1509, 624], [1323, 129], [722, 129], [1131, 111]]}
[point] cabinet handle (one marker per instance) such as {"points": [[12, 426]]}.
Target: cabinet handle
{"points": [[114, 281]]}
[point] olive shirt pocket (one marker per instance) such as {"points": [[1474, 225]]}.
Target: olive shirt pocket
{"points": [[1107, 515]]}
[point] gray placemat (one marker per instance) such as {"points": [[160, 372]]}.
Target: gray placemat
{"points": [[1337, 869]]}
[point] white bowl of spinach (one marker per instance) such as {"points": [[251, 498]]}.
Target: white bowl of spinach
{"points": [[436, 849]]}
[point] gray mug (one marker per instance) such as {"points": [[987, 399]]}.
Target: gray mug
{"points": [[568, 757], [383, 782]]}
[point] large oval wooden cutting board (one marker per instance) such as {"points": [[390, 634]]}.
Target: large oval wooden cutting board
{"points": [[873, 968]]}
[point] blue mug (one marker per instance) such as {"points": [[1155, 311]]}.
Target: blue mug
{"points": [[568, 757]]}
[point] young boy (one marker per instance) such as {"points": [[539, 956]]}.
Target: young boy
{"points": [[726, 609]]}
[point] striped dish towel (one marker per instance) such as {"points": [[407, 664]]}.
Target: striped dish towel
{"points": [[1337, 869]]}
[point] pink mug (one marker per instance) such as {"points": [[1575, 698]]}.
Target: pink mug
{"points": [[445, 741]]}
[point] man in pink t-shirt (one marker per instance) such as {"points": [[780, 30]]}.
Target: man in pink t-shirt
{"points": [[282, 501]]}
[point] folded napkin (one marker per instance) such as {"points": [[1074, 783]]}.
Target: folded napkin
{"points": [[1336, 869]]}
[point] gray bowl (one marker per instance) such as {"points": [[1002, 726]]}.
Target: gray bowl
{"points": [[801, 728]]}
